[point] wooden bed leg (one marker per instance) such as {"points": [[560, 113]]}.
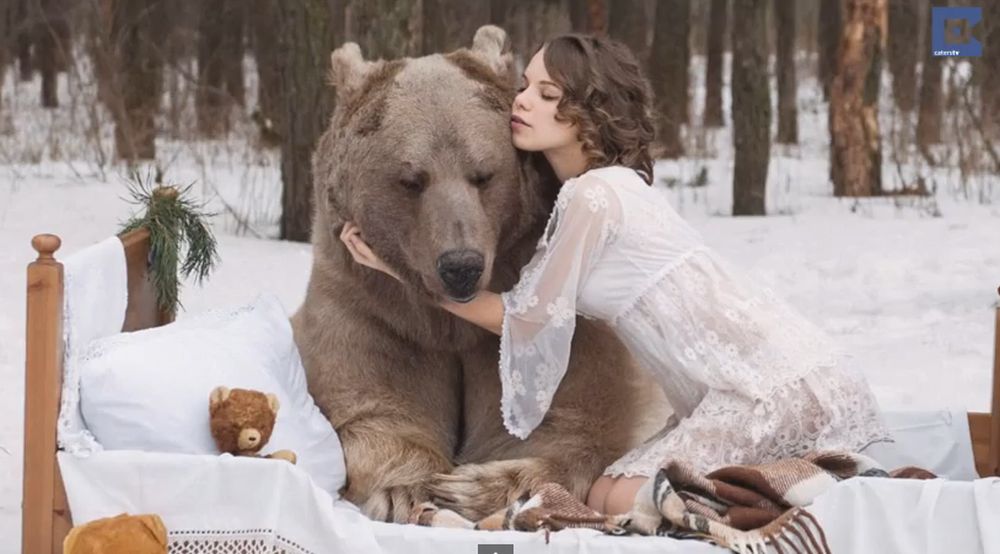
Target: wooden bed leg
{"points": [[994, 455], [44, 510]]}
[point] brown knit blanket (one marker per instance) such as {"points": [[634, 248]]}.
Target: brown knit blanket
{"points": [[747, 508]]}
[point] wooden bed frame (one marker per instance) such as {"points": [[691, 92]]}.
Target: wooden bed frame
{"points": [[45, 512]]}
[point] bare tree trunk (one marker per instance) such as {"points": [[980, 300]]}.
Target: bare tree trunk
{"points": [[530, 22], [931, 94], [270, 110], [232, 50], [788, 113], [989, 67], [385, 28], [751, 107], [211, 101], [830, 24], [668, 74], [443, 32], [100, 48], [855, 146], [47, 45], [24, 25], [6, 20], [902, 54], [178, 51], [305, 40], [139, 69], [629, 21], [589, 16], [713, 73]]}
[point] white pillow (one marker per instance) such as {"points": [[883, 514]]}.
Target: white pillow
{"points": [[148, 390]]}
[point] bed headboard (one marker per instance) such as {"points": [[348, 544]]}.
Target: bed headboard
{"points": [[44, 510]]}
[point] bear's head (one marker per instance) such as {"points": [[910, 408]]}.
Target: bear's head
{"points": [[241, 420], [419, 155]]}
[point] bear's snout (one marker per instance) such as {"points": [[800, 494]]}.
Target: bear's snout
{"points": [[249, 439], [460, 271]]}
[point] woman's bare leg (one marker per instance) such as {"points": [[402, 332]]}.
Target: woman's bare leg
{"points": [[599, 492], [621, 497]]}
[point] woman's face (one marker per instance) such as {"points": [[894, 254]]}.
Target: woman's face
{"points": [[533, 118]]}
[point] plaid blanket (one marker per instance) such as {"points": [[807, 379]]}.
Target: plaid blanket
{"points": [[746, 508]]}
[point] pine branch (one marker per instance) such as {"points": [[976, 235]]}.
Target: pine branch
{"points": [[179, 238]]}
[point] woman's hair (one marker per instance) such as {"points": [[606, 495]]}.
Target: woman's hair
{"points": [[606, 96]]}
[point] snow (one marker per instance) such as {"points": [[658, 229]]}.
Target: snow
{"points": [[907, 285]]}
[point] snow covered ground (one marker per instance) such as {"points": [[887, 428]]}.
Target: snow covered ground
{"points": [[907, 286]]}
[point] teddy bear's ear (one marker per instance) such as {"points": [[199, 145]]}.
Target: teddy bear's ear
{"points": [[156, 527], [272, 401], [218, 396]]}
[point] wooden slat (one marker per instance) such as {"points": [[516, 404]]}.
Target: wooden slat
{"points": [[142, 311], [979, 429], [985, 428], [993, 461], [42, 384]]}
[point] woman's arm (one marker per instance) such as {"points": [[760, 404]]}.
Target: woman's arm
{"points": [[485, 310]]}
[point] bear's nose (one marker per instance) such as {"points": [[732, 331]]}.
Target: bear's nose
{"points": [[459, 271], [248, 439]]}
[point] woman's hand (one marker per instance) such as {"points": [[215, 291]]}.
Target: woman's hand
{"points": [[350, 235]]}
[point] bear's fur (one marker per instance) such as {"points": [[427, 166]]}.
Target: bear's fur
{"points": [[418, 153]]}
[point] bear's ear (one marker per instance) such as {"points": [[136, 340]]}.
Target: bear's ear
{"points": [[272, 401], [492, 45], [218, 396], [348, 69], [156, 528]]}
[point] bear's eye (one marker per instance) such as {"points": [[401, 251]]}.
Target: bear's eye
{"points": [[414, 182], [480, 178]]}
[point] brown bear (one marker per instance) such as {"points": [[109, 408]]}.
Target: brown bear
{"points": [[418, 153]]}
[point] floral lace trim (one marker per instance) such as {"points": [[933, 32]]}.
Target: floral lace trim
{"points": [[244, 541], [507, 384], [71, 433], [657, 277], [73, 436], [827, 409]]}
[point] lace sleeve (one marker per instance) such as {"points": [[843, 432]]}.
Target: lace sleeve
{"points": [[540, 311]]}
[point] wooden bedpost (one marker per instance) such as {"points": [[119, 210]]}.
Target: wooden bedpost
{"points": [[45, 512], [45, 515], [994, 456], [985, 428]]}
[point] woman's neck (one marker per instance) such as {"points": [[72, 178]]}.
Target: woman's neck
{"points": [[567, 162]]}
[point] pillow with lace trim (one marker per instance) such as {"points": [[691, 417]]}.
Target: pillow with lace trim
{"points": [[149, 390]]}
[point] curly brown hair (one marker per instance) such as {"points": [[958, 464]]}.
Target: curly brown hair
{"points": [[606, 96]]}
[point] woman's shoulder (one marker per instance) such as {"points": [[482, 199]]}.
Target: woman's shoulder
{"points": [[614, 174], [594, 187]]}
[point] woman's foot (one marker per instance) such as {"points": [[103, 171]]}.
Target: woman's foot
{"points": [[614, 495]]}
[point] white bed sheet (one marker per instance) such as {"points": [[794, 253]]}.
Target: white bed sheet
{"points": [[219, 502], [209, 502]]}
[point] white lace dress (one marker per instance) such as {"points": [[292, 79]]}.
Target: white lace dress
{"points": [[748, 377]]}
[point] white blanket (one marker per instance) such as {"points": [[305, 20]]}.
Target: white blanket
{"points": [[215, 504]]}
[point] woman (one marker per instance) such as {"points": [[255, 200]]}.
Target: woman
{"points": [[749, 379]]}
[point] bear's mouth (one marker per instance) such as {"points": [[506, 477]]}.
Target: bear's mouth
{"points": [[464, 300]]}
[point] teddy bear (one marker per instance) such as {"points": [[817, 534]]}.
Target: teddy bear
{"points": [[138, 534], [242, 421]]}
